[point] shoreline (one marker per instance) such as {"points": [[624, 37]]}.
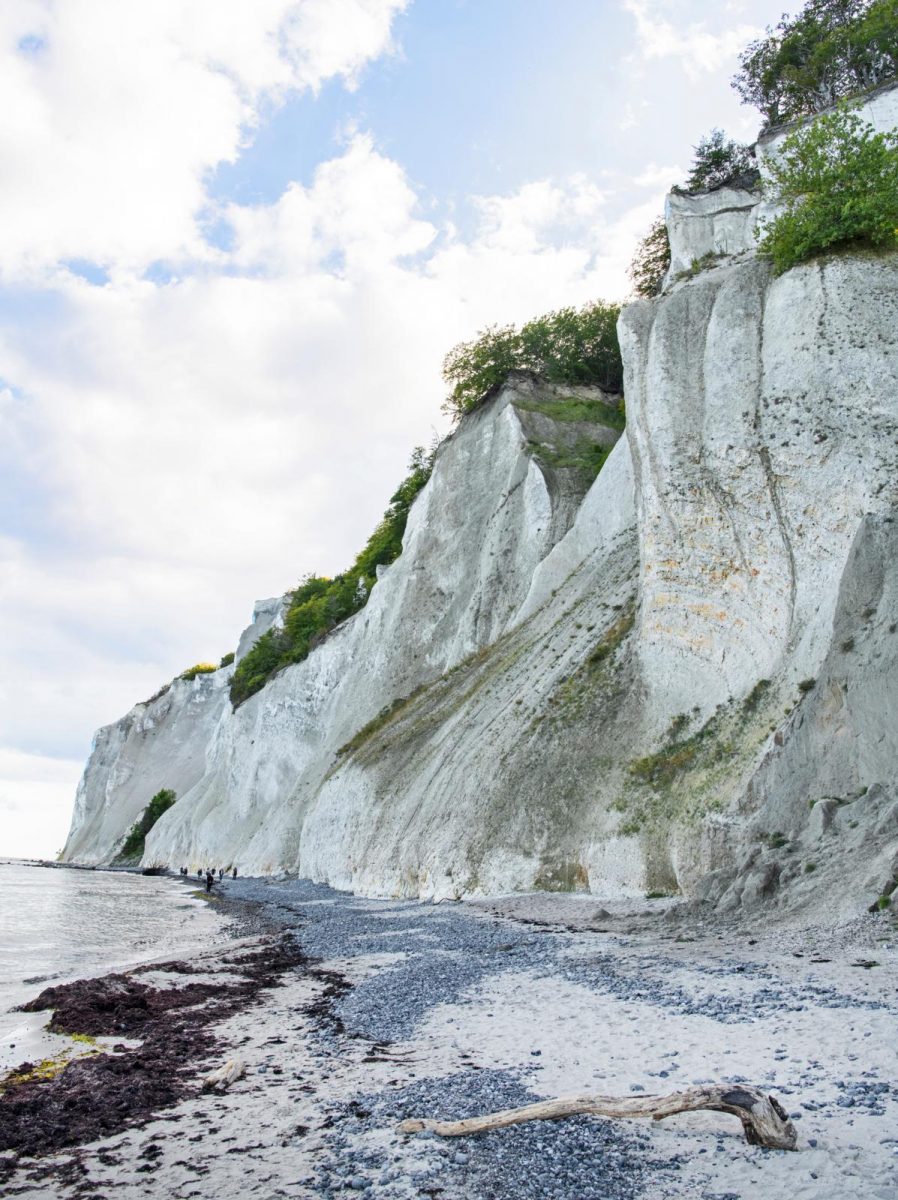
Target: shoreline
{"points": [[396, 1009], [137, 922]]}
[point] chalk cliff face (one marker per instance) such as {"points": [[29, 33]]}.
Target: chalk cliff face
{"points": [[677, 677], [159, 743]]}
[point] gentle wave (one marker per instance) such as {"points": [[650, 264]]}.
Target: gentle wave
{"points": [[63, 924]]}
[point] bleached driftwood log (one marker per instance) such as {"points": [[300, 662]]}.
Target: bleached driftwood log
{"points": [[763, 1118], [222, 1078]]}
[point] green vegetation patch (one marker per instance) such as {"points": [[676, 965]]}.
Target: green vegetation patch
{"points": [[831, 50], [570, 345], [690, 773], [319, 604], [596, 680], [578, 409], [411, 718], [837, 180], [661, 769], [133, 848], [202, 668], [651, 261], [756, 695], [585, 456], [612, 637], [387, 714]]}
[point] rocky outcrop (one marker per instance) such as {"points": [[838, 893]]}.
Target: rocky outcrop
{"points": [[267, 614], [708, 226], [160, 743], [823, 802], [725, 221], [762, 448]]}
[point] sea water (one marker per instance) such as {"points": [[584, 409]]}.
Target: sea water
{"points": [[58, 925]]}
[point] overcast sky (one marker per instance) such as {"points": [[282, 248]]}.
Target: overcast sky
{"points": [[236, 239]]}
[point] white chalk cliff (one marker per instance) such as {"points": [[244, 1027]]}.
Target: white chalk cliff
{"points": [[679, 677]]}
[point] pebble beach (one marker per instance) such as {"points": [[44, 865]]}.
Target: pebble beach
{"points": [[350, 1015]]}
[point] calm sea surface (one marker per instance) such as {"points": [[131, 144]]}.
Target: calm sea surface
{"points": [[57, 925]]}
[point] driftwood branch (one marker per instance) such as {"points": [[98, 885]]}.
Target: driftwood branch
{"points": [[221, 1079], [763, 1118]]}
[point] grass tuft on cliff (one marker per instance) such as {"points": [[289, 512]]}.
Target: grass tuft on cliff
{"points": [[132, 850], [319, 604]]}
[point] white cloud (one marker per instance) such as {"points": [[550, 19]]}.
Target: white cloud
{"points": [[632, 114], [188, 446], [700, 50], [541, 211], [210, 440], [35, 803], [122, 109], [662, 177], [360, 207]]}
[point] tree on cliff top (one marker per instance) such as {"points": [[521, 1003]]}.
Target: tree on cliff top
{"points": [[832, 50], [650, 261], [570, 345], [721, 162]]}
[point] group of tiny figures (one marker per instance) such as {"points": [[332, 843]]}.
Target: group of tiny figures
{"points": [[210, 875]]}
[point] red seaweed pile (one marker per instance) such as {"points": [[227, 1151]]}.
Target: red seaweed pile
{"points": [[98, 1095]]}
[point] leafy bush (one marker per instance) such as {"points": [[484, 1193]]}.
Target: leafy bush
{"points": [[832, 50], [567, 346], [320, 603], [134, 843], [719, 162], [476, 368], [202, 668], [651, 261], [227, 659], [838, 181]]}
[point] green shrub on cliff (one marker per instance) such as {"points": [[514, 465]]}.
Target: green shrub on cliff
{"points": [[832, 50], [570, 345], [838, 181], [202, 668], [320, 603], [134, 843]]}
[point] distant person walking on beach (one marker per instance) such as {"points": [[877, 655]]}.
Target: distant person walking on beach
{"points": [[199, 872], [220, 873], [210, 879], [234, 873]]}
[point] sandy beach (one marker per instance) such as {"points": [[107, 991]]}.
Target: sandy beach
{"points": [[351, 1015]]}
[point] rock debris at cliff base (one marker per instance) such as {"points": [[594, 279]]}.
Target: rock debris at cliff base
{"points": [[451, 1010]]}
